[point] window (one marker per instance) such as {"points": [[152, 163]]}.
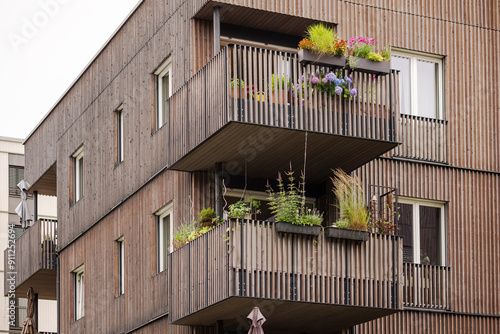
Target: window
{"points": [[78, 175], [119, 134], [79, 274], [421, 224], [164, 232], [121, 267], [16, 174], [163, 88], [420, 83]]}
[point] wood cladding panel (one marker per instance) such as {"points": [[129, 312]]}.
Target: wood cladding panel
{"points": [[146, 292], [413, 322], [472, 211]]}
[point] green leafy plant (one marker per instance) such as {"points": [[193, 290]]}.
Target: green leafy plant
{"points": [[350, 198], [287, 203], [242, 209], [187, 232], [323, 38], [279, 82], [363, 47], [207, 215], [238, 83]]}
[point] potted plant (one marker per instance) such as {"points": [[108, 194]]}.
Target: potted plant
{"points": [[239, 91], [355, 216], [287, 204], [208, 217], [363, 58], [279, 88], [322, 47], [244, 209]]}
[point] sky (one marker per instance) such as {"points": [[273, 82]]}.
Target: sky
{"points": [[44, 45]]}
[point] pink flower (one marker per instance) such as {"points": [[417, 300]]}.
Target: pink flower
{"points": [[325, 80], [315, 80], [371, 40]]}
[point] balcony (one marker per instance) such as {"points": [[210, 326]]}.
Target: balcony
{"points": [[210, 119], [426, 286], [297, 281], [33, 261]]}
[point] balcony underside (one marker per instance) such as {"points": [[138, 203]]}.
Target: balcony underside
{"points": [[266, 150], [43, 283], [285, 316]]}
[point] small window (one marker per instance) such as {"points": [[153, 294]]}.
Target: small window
{"points": [[164, 228], [79, 274], [420, 83], [163, 91], [421, 224], [119, 134], [16, 174], [121, 267], [78, 175]]}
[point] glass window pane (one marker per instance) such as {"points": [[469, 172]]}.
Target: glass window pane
{"points": [[403, 65], [427, 88], [406, 230], [166, 240], [429, 235], [165, 85]]}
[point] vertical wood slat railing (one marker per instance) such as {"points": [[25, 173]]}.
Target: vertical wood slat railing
{"points": [[250, 259], [241, 83], [426, 286], [48, 243], [422, 138], [34, 250], [266, 74]]}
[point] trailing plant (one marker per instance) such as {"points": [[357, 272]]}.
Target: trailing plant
{"points": [[187, 232], [242, 209], [350, 198]]}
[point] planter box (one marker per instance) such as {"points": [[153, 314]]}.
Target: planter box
{"points": [[307, 57], [297, 229], [372, 67], [343, 233]]}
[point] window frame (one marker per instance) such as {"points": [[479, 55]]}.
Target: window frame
{"points": [[15, 176], [161, 251], [119, 134], [79, 292], [416, 203], [78, 174], [121, 266], [163, 70], [414, 56]]}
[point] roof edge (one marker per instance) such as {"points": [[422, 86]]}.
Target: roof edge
{"points": [[139, 3]]}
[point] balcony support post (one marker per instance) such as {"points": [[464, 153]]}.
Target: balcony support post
{"points": [[35, 204], [218, 190], [219, 327], [216, 29]]}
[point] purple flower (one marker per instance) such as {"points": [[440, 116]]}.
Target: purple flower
{"points": [[331, 76], [337, 82], [325, 80], [342, 81], [348, 80], [338, 90], [354, 92], [315, 80]]}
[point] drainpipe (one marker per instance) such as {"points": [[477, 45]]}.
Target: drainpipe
{"points": [[216, 29]]}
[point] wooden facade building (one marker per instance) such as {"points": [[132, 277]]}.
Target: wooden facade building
{"points": [[157, 127]]}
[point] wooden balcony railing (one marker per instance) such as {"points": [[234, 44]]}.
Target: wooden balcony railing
{"points": [[34, 250], [422, 138], [241, 84], [250, 259], [426, 286]]}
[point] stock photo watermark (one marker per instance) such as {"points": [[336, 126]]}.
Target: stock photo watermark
{"points": [[10, 275], [29, 26]]}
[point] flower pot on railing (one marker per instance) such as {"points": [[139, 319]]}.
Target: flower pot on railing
{"points": [[238, 93], [343, 233], [279, 96], [369, 66], [308, 57], [285, 227]]}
